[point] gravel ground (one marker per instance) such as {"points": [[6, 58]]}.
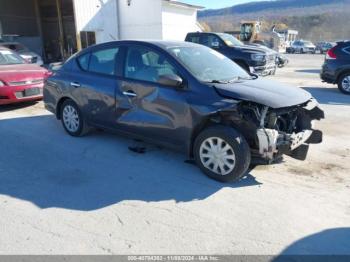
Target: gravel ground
{"points": [[91, 195]]}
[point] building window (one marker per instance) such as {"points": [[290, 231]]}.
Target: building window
{"points": [[87, 38]]}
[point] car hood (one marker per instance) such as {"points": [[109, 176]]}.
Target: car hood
{"points": [[251, 49], [9, 73], [265, 92]]}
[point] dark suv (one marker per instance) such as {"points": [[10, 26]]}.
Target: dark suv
{"points": [[187, 97], [251, 58], [336, 68]]}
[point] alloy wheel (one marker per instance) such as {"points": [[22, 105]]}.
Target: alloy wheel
{"points": [[71, 118], [346, 83]]}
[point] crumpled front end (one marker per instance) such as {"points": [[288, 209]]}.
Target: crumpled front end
{"points": [[285, 131]]}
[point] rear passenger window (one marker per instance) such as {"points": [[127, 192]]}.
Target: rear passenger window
{"points": [[103, 61], [84, 61]]}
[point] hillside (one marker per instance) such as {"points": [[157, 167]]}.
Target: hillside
{"points": [[315, 19], [280, 5]]}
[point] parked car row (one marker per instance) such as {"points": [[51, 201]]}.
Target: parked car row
{"points": [[303, 47]]}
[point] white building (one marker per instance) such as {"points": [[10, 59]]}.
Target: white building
{"points": [[61, 27]]}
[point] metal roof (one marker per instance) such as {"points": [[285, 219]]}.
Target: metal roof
{"points": [[175, 2]]}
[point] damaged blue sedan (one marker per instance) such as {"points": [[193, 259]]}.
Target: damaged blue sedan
{"points": [[186, 97]]}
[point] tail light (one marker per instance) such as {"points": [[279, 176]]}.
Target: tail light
{"points": [[48, 74], [330, 54]]}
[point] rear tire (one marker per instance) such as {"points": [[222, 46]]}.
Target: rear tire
{"points": [[344, 83], [72, 119], [222, 153]]}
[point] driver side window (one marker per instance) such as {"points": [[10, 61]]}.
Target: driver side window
{"points": [[147, 65], [211, 41]]}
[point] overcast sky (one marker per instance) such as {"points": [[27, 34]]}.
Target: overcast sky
{"points": [[217, 3]]}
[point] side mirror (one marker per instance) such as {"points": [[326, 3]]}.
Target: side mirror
{"points": [[27, 60], [170, 80]]}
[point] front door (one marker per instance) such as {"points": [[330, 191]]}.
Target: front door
{"points": [[145, 107]]}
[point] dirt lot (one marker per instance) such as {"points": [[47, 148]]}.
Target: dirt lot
{"points": [[91, 195]]}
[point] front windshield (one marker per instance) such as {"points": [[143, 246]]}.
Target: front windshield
{"points": [[307, 43], [230, 40], [207, 65], [7, 57], [17, 47]]}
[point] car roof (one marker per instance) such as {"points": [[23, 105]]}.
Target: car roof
{"points": [[163, 44], [206, 33]]}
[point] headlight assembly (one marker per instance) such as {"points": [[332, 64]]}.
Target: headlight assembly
{"points": [[258, 57]]}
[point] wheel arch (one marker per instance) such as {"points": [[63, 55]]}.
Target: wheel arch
{"points": [[219, 119], [59, 105], [341, 73]]}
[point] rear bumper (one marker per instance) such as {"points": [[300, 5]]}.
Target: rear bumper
{"points": [[18, 94], [328, 75]]}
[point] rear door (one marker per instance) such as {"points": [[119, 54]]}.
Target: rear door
{"points": [[145, 107], [96, 84]]}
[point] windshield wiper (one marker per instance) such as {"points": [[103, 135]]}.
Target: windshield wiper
{"points": [[238, 78], [218, 82]]}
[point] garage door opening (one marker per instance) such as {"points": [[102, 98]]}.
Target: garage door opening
{"points": [[46, 27]]}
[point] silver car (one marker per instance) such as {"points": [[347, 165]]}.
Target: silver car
{"points": [[303, 47]]}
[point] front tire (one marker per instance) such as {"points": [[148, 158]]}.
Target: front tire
{"points": [[72, 119], [222, 153], [344, 83]]}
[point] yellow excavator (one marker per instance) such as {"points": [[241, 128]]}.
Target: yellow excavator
{"points": [[251, 33]]}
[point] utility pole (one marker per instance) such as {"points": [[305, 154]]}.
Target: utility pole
{"points": [[60, 27]]}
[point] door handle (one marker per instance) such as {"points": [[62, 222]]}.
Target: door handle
{"points": [[75, 84], [129, 93]]}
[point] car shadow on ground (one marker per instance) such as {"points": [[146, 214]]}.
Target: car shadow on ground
{"points": [[40, 163], [11, 107], [309, 71], [328, 95], [328, 245]]}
